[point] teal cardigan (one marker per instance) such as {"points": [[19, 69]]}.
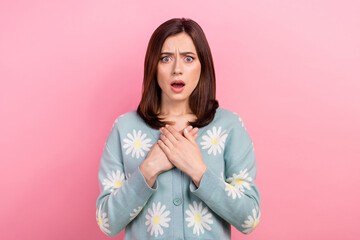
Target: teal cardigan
{"points": [[174, 208]]}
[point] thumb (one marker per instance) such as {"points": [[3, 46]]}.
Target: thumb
{"points": [[190, 137]]}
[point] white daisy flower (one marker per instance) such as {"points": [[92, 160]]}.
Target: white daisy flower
{"points": [[214, 140], [232, 191], [198, 218], [157, 219], [114, 181], [102, 220], [136, 144], [135, 212], [240, 180], [252, 221]]}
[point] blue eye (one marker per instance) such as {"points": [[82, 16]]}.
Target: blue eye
{"points": [[188, 59], [191, 58], [162, 59]]}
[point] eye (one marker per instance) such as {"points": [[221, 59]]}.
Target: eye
{"points": [[166, 57], [191, 59]]}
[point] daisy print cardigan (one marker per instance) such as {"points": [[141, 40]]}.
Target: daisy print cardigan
{"points": [[174, 208]]}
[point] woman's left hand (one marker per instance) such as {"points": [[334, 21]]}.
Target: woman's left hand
{"points": [[183, 152]]}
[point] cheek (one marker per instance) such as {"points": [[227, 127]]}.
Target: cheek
{"points": [[195, 71], [196, 67], [163, 71], [160, 75]]}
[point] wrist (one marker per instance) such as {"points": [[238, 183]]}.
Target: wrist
{"points": [[149, 172], [197, 176]]}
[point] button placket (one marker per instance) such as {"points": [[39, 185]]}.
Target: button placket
{"points": [[177, 201]]}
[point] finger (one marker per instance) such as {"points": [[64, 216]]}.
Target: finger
{"points": [[176, 135], [190, 137], [169, 135], [165, 149], [195, 135], [190, 129], [193, 131], [166, 140]]}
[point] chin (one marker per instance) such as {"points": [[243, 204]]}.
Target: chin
{"points": [[177, 97]]}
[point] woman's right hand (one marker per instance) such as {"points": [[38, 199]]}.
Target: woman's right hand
{"points": [[156, 161]]}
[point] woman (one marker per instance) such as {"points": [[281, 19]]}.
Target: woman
{"points": [[179, 167]]}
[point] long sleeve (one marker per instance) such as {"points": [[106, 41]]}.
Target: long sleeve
{"points": [[234, 197], [121, 198]]}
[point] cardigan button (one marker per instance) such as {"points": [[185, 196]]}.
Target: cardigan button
{"points": [[177, 201]]}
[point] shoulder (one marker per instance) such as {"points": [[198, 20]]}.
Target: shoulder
{"points": [[234, 125], [228, 116], [127, 118]]}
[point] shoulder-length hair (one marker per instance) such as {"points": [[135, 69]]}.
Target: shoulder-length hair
{"points": [[202, 100]]}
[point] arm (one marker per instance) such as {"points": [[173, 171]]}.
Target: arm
{"points": [[237, 199], [120, 199]]}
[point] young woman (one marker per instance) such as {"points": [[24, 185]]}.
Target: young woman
{"points": [[178, 167]]}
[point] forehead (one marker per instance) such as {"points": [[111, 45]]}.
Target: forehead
{"points": [[181, 41]]}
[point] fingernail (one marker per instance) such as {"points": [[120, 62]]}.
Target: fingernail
{"points": [[186, 131], [190, 127], [166, 125]]}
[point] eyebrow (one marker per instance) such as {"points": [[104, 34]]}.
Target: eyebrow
{"points": [[182, 53]]}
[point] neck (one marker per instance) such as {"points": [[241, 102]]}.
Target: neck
{"points": [[175, 109]]}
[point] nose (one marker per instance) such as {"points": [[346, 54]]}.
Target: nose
{"points": [[177, 65]]}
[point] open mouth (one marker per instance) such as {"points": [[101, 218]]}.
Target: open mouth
{"points": [[177, 85]]}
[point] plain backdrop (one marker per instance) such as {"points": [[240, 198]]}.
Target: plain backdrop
{"points": [[290, 69]]}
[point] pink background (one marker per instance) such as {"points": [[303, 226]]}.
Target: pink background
{"points": [[289, 68]]}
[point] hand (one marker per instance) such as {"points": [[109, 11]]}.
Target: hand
{"points": [[157, 162], [183, 152]]}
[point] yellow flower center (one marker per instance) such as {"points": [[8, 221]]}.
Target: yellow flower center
{"points": [[117, 184], [156, 219], [100, 220], [238, 181], [230, 186], [137, 143], [197, 218], [215, 141], [255, 224]]}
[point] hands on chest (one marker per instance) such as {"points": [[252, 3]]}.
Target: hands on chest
{"points": [[177, 149]]}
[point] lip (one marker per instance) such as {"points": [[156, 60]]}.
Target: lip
{"points": [[178, 81], [177, 89]]}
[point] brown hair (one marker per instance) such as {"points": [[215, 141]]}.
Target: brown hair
{"points": [[202, 100]]}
